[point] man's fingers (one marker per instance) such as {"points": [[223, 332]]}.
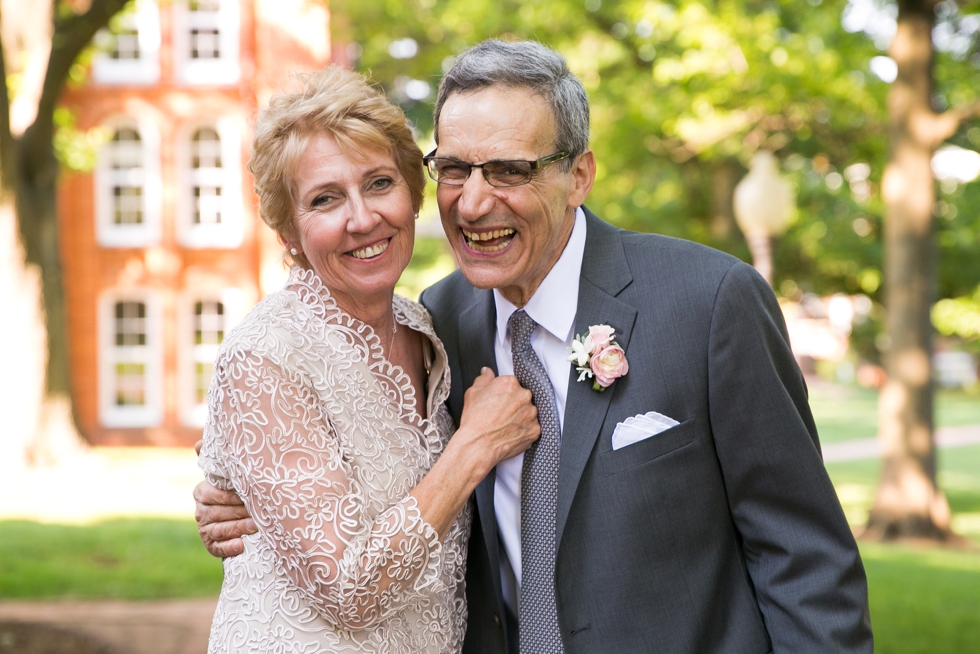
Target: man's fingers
{"points": [[205, 493], [227, 530], [225, 548], [217, 514]]}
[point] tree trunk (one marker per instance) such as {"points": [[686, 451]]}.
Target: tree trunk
{"points": [[724, 176], [909, 503], [56, 435], [29, 172]]}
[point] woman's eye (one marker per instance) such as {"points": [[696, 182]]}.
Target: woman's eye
{"points": [[381, 183], [320, 201]]}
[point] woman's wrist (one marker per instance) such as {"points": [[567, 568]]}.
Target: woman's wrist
{"points": [[471, 463]]}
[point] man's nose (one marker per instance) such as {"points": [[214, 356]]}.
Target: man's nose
{"points": [[476, 196]]}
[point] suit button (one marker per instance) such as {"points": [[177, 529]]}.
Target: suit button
{"points": [[496, 620]]}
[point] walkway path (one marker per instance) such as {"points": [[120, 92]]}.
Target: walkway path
{"points": [[159, 627], [869, 448]]}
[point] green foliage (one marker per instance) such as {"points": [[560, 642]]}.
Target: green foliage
{"points": [[76, 149], [682, 94], [126, 559], [958, 317], [431, 261]]}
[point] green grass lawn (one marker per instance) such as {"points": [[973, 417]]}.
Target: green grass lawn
{"points": [[923, 601], [125, 559], [848, 412]]}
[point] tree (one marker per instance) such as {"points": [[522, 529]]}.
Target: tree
{"points": [[28, 165], [683, 93], [909, 502]]}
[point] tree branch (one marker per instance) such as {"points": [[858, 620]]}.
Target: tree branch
{"points": [[967, 112], [71, 34], [948, 122]]}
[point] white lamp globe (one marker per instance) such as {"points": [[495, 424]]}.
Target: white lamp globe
{"points": [[763, 200]]}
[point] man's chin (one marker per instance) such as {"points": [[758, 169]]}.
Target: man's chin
{"points": [[485, 275]]}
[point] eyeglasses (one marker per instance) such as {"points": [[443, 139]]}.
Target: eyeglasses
{"points": [[502, 174]]}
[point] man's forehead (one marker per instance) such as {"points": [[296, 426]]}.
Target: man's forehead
{"points": [[497, 116]]}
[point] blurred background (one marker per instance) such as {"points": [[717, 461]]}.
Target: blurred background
{"points": [[832, 143]]}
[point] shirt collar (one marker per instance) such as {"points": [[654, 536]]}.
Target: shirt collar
{"points": [[555, 303]]}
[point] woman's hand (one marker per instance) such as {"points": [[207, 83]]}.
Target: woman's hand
{"points": [[498, 422]]}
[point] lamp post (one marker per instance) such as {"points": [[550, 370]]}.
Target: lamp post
{"points": [[763, 204]]}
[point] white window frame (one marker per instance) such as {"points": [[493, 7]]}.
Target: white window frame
{"points": [[148, 178], [193, 412], [150, 414], [223, 70], [144, 17], [230, 232]]}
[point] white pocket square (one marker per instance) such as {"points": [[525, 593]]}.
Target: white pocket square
{"points": [[635, 429]]}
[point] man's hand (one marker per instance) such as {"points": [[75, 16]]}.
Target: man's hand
{"points": [[222, 518]]}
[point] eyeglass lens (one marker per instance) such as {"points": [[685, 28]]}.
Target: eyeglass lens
{"points": [[497, 173]]}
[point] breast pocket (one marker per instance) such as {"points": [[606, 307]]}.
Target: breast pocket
{"points": [[648, 449]]}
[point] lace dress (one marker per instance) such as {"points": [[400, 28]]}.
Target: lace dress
{"points": [[316, 432]]}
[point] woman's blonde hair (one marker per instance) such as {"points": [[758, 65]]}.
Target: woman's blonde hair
{"points": [[333, 101]]}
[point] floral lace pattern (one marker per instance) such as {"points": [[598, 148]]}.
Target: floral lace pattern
{"points": [[317, 432]]}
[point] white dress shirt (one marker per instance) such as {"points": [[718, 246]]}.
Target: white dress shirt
{"points": [[553, 307]]}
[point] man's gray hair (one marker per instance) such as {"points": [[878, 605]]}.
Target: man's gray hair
{"points": [[525, 64]]}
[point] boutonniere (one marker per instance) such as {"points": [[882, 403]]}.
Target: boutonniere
{"points": [[597, 355]]}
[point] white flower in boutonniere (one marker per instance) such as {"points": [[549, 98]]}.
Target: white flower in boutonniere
{"points": [[597, 355]]}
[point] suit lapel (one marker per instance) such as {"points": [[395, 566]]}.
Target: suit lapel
{"points": [[605, 274], [477, 327]]}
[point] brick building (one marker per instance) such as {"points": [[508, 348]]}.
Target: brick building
{"points": [[162, 246]]}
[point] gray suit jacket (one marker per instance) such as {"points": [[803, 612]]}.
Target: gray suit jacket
{"points": [[722, 534]]}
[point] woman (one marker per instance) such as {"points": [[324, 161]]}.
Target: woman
{"points": [[327, 407]]}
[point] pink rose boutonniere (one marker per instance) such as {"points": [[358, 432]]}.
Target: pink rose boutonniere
{"points": [[597, 355]]}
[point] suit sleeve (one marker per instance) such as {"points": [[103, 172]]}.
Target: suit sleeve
{"points": [[798, 548]]}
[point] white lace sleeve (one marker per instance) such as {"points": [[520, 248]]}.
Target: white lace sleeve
{"points": [[286, 462]]}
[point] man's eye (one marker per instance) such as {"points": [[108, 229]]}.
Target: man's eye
{"points": [[454, 170]]}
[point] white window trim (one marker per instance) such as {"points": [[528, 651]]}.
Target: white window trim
{"points": [[111, 414], [224, 70], [108, 234], [192, 412], [230, 233], [145, 70]]}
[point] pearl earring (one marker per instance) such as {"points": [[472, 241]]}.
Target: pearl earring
{"points": [[293, 251]]}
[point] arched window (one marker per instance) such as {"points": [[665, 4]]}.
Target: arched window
{"points": [[129, 49], [208, 183], [128, 181], [130, 356], [206, 41], [211, 205]]}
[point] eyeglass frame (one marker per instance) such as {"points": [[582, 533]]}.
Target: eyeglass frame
{"points": [[535, 166]]}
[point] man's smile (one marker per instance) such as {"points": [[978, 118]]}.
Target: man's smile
{"points": [[488, 241]]}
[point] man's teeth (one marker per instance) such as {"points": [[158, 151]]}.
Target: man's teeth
{"points": [[487, 236], [371, 251], [474, 238]]}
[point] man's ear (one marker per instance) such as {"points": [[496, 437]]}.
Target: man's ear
{"points": [[583, 175]]}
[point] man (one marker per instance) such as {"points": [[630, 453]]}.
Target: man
{"points": [[721, 533]]}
